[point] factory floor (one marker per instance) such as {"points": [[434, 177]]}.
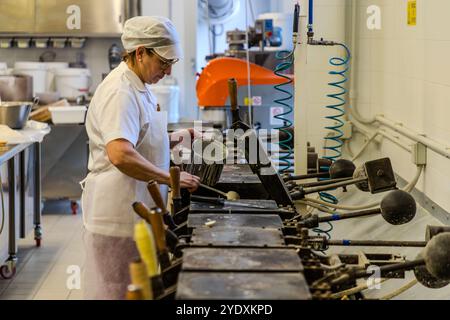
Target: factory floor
{"points": [[43, 273]]}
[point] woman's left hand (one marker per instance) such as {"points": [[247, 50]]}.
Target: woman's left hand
{"points": [[181, 136], [195, 133]]}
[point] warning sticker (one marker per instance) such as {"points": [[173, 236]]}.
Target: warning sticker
{"points": [[275, 111], [412, 12]]}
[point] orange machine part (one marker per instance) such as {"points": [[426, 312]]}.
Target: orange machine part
{"points": [[212, 84]]}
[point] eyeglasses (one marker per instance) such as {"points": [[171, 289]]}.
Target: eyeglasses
{"points": [[165, 63]]}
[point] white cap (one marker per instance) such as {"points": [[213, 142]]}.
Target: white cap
{"points": [[153, 32]]}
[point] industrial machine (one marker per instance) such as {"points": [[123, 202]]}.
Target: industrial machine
{"points": [[256, 77], [265, 246]]}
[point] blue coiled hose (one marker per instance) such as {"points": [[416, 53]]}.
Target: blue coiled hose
{"points": [[334, 143], [286, 58]]}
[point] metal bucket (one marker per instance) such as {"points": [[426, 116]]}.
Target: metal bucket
{"points": [[15, 114]]}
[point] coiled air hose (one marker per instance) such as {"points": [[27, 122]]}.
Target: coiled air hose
{"points": [[287, 59], [333, 140]]}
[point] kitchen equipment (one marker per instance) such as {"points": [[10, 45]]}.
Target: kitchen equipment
{"points": [[51, 69], [16, 87], [70, 114], [15, 114], [114, 56], [72, 82], [37, 70], [223, 202], [168, 97], [230, 195]]}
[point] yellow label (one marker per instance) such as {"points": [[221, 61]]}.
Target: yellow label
{"points": [[412, 12]]}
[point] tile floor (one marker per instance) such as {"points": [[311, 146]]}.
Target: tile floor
{"points": [[47, 273]]}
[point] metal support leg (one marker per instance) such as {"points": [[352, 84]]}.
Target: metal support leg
{"points": [[37, 194], [22, 193], [8, 270]]}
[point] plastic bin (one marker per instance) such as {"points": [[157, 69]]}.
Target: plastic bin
{"points": [[72, 82], [65, 115]]}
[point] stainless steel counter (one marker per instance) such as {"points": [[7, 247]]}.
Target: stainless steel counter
{"points": [[21, 200], [12, 151]]}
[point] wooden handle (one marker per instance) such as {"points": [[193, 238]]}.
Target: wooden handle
{"points": [[139, 278], [175, 182], [142, 211], [153, 188], [159, 232], [232, 90]]}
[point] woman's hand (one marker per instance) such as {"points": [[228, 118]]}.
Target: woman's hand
{"points": [[189, 181], [195, 133], [184, 136]]}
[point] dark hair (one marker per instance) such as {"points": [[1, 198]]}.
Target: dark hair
{"points": [[131, 56]]}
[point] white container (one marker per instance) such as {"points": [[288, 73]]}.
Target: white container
{"points": [[72, 82], [168, 99], [70, 114], [4, 70], [51, 69], [37, 70], [285, 21]]}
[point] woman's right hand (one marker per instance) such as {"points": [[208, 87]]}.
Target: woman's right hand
{"points": [[189, 181]]}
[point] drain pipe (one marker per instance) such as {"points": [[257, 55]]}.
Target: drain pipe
{"points": [[398, 127]]}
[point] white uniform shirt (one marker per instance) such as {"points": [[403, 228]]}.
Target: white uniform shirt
{"points": [[116, 112], [122, 107]]}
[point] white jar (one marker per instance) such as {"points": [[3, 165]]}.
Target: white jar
{"points": [[72, 82], [51, 68], [37, 70]]}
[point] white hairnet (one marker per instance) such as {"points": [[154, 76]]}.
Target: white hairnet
{"points": [[153, 32]]}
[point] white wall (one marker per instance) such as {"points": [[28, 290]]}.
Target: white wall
{"points": [[402, 72], [329, 23]]}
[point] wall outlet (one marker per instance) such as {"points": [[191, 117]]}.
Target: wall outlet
{"points": [[419, 154]]}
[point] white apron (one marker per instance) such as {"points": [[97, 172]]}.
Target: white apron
{"points": [[108, 196], [109, 218]]}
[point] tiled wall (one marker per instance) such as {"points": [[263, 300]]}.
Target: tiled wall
{"points": [[403, 72]]}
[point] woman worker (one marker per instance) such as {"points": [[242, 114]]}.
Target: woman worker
{"points": [[129, 146]]}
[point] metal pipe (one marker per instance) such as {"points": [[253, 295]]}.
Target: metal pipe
{"points": [[376, 243], [334, 185], [383, 269], [350, 215], [308, 176], [398, 127], [323, 183]]}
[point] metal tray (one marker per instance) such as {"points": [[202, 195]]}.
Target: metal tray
{"points": [[242, 286], [235, 237], [235, 220], [261, 260]]}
